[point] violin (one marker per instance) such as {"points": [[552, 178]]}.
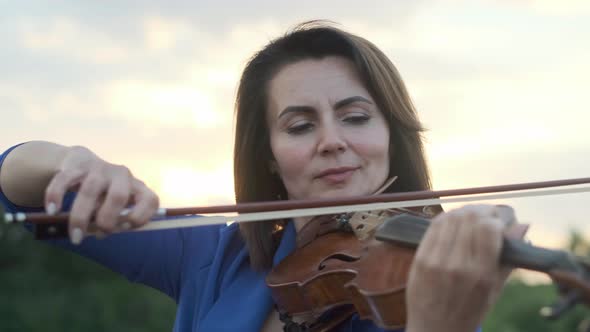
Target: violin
{"points": [[342, 263], [368, 272]]}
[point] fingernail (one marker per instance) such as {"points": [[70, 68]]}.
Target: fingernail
{"points": [[51, 208], [76, 236], [125, 226]]}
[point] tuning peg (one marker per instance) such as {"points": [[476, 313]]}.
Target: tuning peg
{"points": [[562, 305]]}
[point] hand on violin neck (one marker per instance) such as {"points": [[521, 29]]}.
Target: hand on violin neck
{"points": [[456, 276]]}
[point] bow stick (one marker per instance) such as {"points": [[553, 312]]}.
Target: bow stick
{"points": [[259, 211]]}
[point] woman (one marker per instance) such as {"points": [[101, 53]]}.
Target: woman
{"points": [[320, 113]]}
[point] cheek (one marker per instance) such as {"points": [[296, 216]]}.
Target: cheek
{"points": [[291, 159], [374, 147], [376, 155]]}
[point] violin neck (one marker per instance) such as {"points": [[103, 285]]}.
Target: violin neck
{"points": [[408, 230], [520, 254]]}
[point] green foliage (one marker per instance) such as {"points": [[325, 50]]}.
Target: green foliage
{"points": [[578, 245], [518, 307], [517, 310], [46, 289]]}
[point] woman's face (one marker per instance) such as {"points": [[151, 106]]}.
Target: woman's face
{"points": [[327, 135]]}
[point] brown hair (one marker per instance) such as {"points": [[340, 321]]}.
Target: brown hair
{"points": [[253, 179]]}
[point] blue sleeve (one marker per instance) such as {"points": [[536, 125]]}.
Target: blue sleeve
{"points": [[154, 258]]}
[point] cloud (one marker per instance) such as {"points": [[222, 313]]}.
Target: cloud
{"points": [[160, 104], [189, 186], [162, 33], [553, 8], [67, 37]]}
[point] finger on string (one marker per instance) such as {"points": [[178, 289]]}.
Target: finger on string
{"points": [[475, 241], [430, 241], [449, 236], [461, 252], [487, 242]]}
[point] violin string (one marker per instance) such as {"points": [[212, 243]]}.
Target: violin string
{"points": [[274, 215], [394, 211], [411, 212]]}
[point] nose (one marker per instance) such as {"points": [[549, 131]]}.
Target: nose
{"points": [[331, 140]]}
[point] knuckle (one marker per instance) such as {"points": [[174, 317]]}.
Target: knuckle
{"points": [[88, 191], [91, 185], [490, 226], [120, 171], [118, 197], [470, 215], [97, 167], [462, 274], [123, 170], [69, 173]]}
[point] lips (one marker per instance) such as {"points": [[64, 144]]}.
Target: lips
{"points": [[336, 175]]}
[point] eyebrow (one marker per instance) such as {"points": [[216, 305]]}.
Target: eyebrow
{"points": [[337, 105]]}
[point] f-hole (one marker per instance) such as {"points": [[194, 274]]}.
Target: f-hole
{"points": [[337, 256]]}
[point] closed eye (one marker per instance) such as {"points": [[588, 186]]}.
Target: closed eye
{"points": [[300, 128], [357, 119]]}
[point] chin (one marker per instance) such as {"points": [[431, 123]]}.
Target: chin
{"points": [[345, 191]]}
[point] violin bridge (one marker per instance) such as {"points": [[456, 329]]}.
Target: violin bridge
{"points": [[363, 224]]}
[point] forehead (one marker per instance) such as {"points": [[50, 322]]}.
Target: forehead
{"points": [[312, 81]]}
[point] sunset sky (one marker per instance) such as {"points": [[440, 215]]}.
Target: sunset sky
{"points": [[502, 87]]}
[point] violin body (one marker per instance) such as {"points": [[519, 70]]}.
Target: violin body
{"points": [[348, 268], [340, 269]]}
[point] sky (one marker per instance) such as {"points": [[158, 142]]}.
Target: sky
{"points": [[500, 85]]}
